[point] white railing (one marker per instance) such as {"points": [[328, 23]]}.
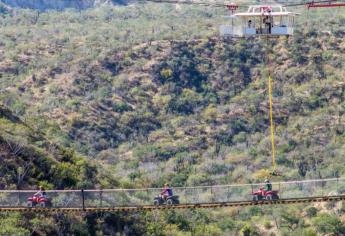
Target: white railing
{"points": [[239, 31], [231, 31]]}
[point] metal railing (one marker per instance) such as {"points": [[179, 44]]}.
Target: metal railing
{"points": [[98, 198]]}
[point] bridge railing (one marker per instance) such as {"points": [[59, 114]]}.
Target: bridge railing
{"points": [[187, 195]]}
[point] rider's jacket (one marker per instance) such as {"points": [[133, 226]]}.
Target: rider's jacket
{"points": [[167, 191], [268, 187]]}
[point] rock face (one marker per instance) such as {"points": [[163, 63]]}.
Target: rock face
{"points": [[44, 5]]}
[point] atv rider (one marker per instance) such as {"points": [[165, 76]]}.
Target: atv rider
{"points": [[268, 185], [41, 193], [167, 192]]}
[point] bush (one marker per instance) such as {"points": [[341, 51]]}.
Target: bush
{"points": [[209, 229], [249, 230], [186, 103], [255, 211], [329, 224], [227, 224], [166, 73], [12, 224], [309, 232], [311, 211], [267, 225], [66, 175]]}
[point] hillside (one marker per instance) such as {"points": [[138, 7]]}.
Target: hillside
{"points": [[150, 94], [29, 159], [59, 5], [197, 108]]}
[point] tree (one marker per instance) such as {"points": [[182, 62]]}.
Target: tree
{"points": [[290, 220], [249, 230], [329, 224]]}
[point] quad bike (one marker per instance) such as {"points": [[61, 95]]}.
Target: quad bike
{"points": [[172, 200], [262, 194], [39, 201]]}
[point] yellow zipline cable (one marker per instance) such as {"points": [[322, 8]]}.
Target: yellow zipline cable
{"points": [[268, 61], [271, 122]]}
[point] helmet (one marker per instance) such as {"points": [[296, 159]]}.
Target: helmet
{"points": [[166, 184]]}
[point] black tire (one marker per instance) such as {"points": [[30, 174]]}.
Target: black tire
{"points": [[156, 202], [269, 197], [29, 204], [255, 198], [42, 204], [177, 201], [275, 197], [170, 201]]}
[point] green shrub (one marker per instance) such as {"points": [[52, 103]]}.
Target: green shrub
{"points": [[309, 232], [329, 224], [13, 224], [267, 224], [249, 230], [311, 211], [166, 73]]}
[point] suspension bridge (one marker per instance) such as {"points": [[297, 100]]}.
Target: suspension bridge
{"points": [[115, 200]]}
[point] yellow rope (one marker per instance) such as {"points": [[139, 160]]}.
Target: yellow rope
{"points": [[271, 122]]}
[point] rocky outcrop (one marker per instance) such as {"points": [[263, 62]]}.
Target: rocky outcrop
{"points": [[43, 5]]}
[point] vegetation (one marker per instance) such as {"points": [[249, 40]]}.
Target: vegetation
{"points": [[140, 95]]}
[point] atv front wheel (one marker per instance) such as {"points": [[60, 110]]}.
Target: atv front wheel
{"points": [[29, 204], [170, 202], [269, 197], [156, 202]]}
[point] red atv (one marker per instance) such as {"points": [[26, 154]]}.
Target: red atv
{"points": [[262, 194], [37, 200]]}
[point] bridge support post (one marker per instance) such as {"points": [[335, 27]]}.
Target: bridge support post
{"points": [[280, 193], [101, 197], [228, 195], [83, 199]]}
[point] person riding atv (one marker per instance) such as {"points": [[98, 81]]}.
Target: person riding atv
{"points": [[39, 199], [166, 197], [167, 192], [41, 192], [265, 193]]}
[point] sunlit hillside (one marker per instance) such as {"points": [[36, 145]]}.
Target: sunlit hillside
{"points": [[139, 95]]}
